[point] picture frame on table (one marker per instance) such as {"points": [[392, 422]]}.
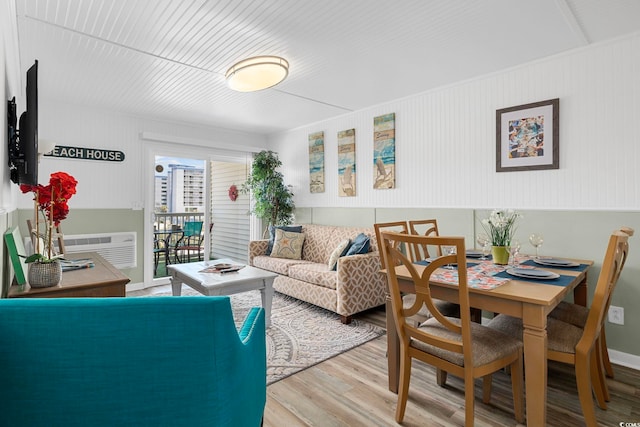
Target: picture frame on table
{"points": [[528, 137]]}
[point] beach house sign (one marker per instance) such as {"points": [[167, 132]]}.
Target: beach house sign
{"points": [[86, 153]]}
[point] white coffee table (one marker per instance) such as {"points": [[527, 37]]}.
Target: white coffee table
{"points": [[247, 279]]}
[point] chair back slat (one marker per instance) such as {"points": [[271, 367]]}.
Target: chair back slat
{"points": [[397, 226], [192, 228], [421, 277], [424, 227]]}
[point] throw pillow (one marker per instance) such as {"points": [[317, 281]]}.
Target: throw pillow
{"points": [[287, 244], [339, 251], [272, 234], [360, 245]]}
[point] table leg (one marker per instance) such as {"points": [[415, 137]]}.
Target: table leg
{"points": [[176, 286], [580, 292], [393, 348], [266, 293], [535, 366]]}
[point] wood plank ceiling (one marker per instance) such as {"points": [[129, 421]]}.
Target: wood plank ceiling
{"points": [[166, 59]]}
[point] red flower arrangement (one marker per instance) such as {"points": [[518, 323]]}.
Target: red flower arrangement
{"points": [[51, 201]]}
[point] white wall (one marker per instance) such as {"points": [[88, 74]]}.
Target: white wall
{"points": [[446, 140], [10, 86], [116, 185]]}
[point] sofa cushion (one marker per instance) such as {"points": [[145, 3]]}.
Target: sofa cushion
{"points": [[287, 245], [272, 234], [314, 273], [360, 245], [317, 245], [277, 265], [339, 251]]}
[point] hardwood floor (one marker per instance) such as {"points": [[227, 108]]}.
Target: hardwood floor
{"points": [[351, 390]]}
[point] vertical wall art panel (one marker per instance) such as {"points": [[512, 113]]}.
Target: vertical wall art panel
{"points": [[316, 162], [347, 163], [384, 151]]}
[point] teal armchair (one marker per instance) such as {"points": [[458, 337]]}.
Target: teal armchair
{"points": [[156, 361]]}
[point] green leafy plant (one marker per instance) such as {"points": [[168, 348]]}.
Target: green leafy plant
{"points": [[273, 200]]}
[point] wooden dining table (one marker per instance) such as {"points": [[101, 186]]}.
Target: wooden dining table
{"points": [[530, 301]]}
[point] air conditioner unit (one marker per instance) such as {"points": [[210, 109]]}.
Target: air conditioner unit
{"points": [[117, 248]]}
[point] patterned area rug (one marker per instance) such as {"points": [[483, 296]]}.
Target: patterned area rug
{"points": [[301, 335]]}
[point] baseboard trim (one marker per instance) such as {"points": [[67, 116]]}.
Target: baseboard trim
{"points": [[624, 359], [135, 286]]}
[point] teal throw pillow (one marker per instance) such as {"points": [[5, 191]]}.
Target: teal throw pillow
{"points": [[360, 245], [272, 234]]}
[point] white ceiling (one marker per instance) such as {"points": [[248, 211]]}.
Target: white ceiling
{"points": [[166, 59]]}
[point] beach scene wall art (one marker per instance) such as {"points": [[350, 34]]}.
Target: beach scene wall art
{"points": [[384, 151], [316, 162], [347, 163]]}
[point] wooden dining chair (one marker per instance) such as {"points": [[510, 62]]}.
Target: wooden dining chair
{"points": [[577, 314], [458, 346], [397, 226], [445, 307], [424, 227], [579, 346]]}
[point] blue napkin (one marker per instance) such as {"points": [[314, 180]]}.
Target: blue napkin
{"points": [[581, 267], [560, 281]]}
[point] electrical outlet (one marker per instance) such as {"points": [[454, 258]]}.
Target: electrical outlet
{"points": [[616, 315]]}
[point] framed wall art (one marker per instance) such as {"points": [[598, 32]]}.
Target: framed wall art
{"points": [[316, 162], [347, 163], [527, 137], [384, 151]]}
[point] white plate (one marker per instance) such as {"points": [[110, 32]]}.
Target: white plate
{"points": [[473, 254], [555, 262], [532, 273]]}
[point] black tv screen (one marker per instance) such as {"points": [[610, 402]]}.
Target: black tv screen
{"points": [[23, 144]]}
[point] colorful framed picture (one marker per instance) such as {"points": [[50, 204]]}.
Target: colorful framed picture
{"points": [[384, 151], [527, 137], [316, 162], [347, 163]]}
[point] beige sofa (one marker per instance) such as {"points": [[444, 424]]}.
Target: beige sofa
{"points": [[357, 285]]}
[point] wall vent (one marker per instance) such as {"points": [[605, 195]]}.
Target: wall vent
{"points": [[117, 248]]}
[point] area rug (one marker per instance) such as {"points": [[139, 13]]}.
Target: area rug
{"points": [[301, 335]]}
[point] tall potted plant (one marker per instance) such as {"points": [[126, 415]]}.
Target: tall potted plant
{"points": [[273, 200]]}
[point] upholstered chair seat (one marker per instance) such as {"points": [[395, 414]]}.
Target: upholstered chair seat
{"points": [[488, 345]]}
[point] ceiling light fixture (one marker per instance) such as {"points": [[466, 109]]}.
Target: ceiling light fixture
{"points": [[257, 73]]}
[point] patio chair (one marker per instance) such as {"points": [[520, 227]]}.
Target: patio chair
{"points": [[190, 242]]}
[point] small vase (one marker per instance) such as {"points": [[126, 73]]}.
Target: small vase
{"points": [[45, 274], [500, 255]]}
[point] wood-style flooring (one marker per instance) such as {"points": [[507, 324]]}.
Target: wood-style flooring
{"points": [[351, 389]]}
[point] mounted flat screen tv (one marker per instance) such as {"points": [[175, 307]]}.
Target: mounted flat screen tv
{"points": [[23, 141]]}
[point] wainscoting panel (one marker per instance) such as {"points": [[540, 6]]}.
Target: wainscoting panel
{"points": [[567, 233]]}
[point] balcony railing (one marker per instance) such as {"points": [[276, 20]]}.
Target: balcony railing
{"points": [[167, 229], [175, 220]]}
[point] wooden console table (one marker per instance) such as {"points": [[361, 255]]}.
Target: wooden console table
{"points": [[102, 280]]}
